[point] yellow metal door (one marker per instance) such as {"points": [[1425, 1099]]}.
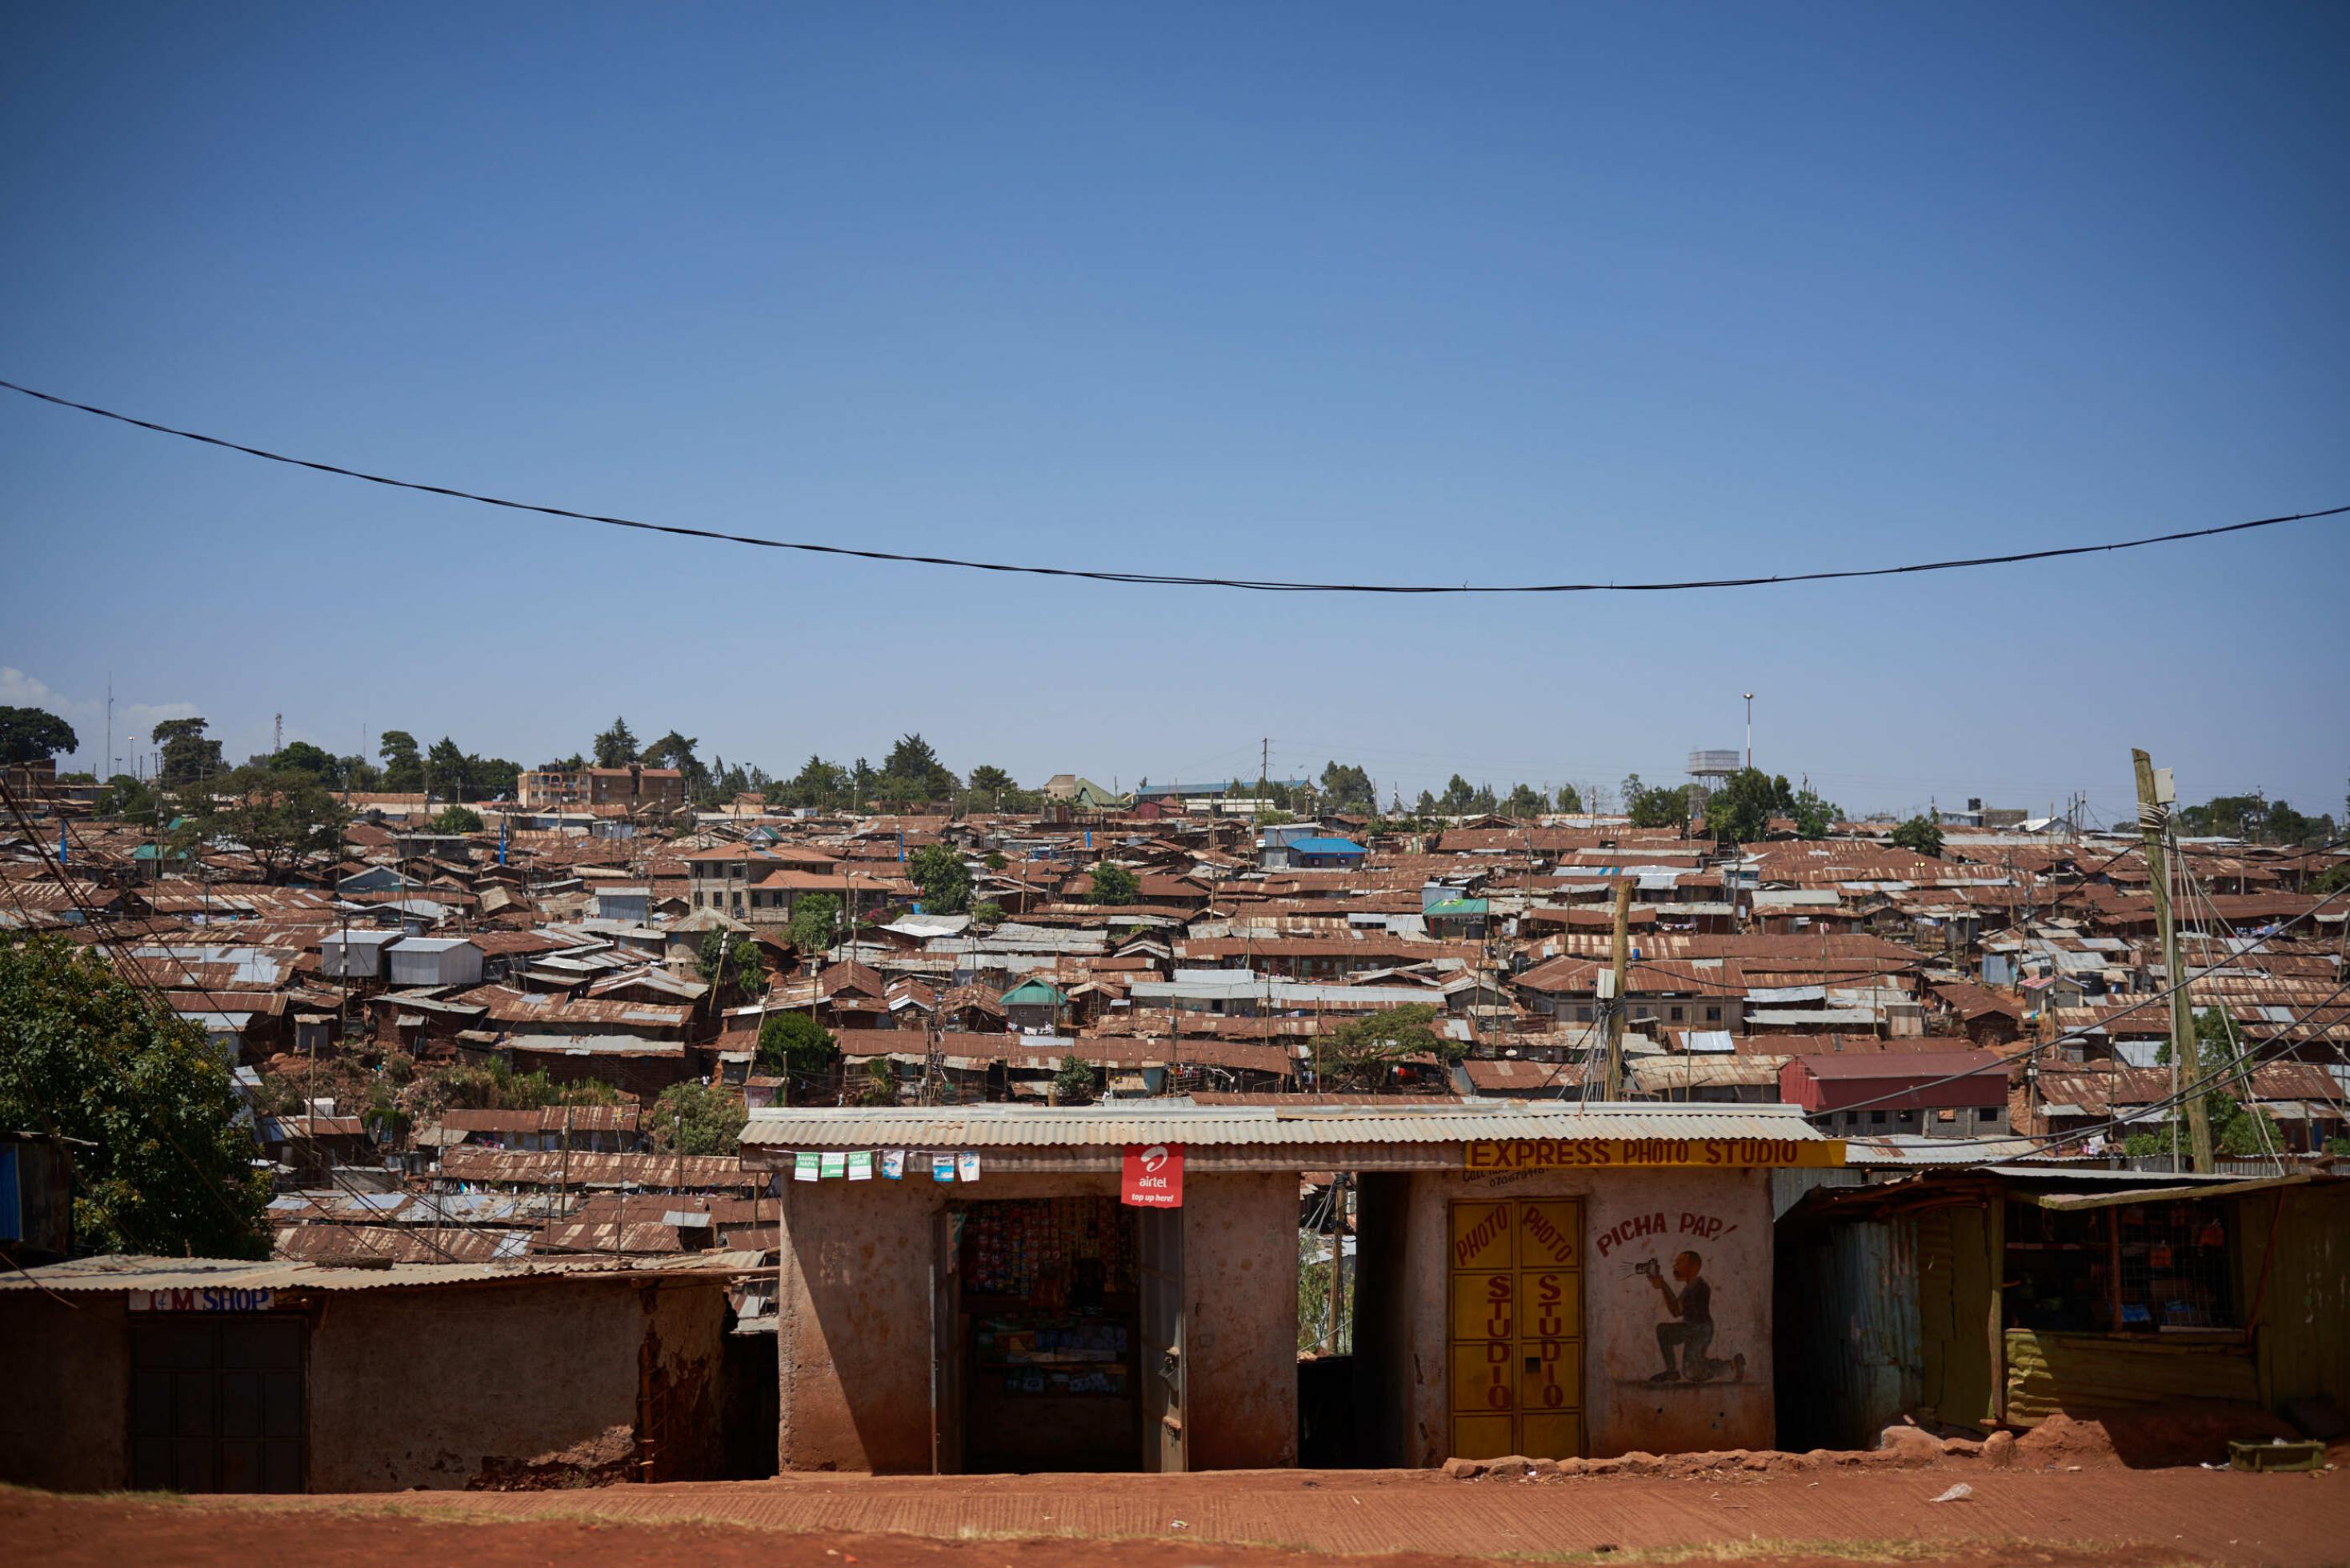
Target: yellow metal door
{"points": [[1515, 1351]]}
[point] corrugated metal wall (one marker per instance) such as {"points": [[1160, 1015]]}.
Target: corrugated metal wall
{"points": [[1954, 1285], [1847, 1333], [2304, 1334], [2085, 1373]]}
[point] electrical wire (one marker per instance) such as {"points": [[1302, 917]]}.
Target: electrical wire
{"points": [[1160, 579]]}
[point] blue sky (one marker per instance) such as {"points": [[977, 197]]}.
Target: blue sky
{"points": [[1401, 294]]}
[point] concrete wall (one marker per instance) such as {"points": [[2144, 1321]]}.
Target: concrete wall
{"points": [[408, 1388], [853, 1333], [1629, 1217], [486, 1383], [1240, 1297], [65, 1405]]}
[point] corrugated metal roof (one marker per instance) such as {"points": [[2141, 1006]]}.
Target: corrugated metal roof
{"points": [[1180, 1121], [117, 1271]]}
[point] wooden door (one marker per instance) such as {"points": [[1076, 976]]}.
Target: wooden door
{"points": [[1159, 1251]]}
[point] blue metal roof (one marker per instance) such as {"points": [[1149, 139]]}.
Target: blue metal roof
{"points": [[1325, 846]]}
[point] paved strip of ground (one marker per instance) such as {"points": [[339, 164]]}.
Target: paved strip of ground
{"points": [[2137, 1515]]}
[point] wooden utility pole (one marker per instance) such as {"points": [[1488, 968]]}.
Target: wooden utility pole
{"points": [[2154, 796], [1619, 960]]}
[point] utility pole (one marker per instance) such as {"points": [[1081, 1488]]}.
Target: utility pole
{"points": [[2154, 795], [1750, 729], [1619, 960]]}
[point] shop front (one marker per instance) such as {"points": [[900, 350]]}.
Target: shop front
{"points": [[1000, 1288]]}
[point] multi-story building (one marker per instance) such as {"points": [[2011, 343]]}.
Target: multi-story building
{"points": [[636, 787]]}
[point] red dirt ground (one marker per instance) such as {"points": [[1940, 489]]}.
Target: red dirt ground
{"points": [[1383, 1519]]}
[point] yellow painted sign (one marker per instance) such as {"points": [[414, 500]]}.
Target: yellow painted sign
{"points": [[1651, 1153], [1516, 1327]]}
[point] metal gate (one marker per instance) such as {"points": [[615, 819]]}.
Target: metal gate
{"points": [[1515, 1334], [216, 1403]]}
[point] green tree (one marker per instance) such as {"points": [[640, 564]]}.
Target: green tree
{"points": [[693, 1118], [33, 736], [492, 778], [616, 747], [992, 782], [724, 959], [1920, 836], [1813, 816], [2256, 818], [797, 1048], [880, 1084], [1459, 798], [1074, 1084], [301, 755], [1742, 809], [1114, 883], [188, 755], [815, 924], [279, 821], [1362, 1052], [987, 914], [916, 772], [1347, 788], [1524, 802], [88, 1056], [676, 750], [938, 870], [127, 798], [403, 764], [1570, 798], [1426, 806], [1655, 805], [458, 819], [444, 769]]}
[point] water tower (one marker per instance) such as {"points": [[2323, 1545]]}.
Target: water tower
{"points": [[1712, 767]]}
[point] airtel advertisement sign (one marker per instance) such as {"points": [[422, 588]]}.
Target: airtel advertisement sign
{"points": [[1154, 1176]]}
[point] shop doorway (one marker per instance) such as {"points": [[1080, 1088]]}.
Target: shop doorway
{"points": [[1057, 1337], [216, 1402]]}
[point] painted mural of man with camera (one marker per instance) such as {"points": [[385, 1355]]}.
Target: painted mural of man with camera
{"points": [[1690, 1336]]}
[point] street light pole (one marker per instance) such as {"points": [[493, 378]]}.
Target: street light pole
{"points": [[1750, 729]]}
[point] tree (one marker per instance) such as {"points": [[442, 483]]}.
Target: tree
{"points": [[403, 766], [938, 870], [676, 750], [1426, 806], [127, 798], [492, 778], [1074, 1084], [992, 783], [91, 1056], [444, 769], [33, 736], [693, 1118], [187, 754], [2256, 818], [818, 785], [1742, 809], [279, 820], [616, 747], [1347, 788], [307, 758], [799, 1049], [1523, 803], [1813, 816], [987, 914], [1570, 798], [916, 770], [1363, 1053], [1114, 883], [815, 922], [1654, 805], [724, 959], [880, 1085], [1459, 797], [458, 819], [1920, 836]]}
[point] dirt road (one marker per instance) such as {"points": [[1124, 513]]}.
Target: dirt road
{"points": [[1250, 1518]]}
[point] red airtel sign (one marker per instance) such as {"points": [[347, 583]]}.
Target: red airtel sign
{"points": [[1154, 1176]]}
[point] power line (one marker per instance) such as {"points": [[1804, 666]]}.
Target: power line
{"points": [[1167, 579]]}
